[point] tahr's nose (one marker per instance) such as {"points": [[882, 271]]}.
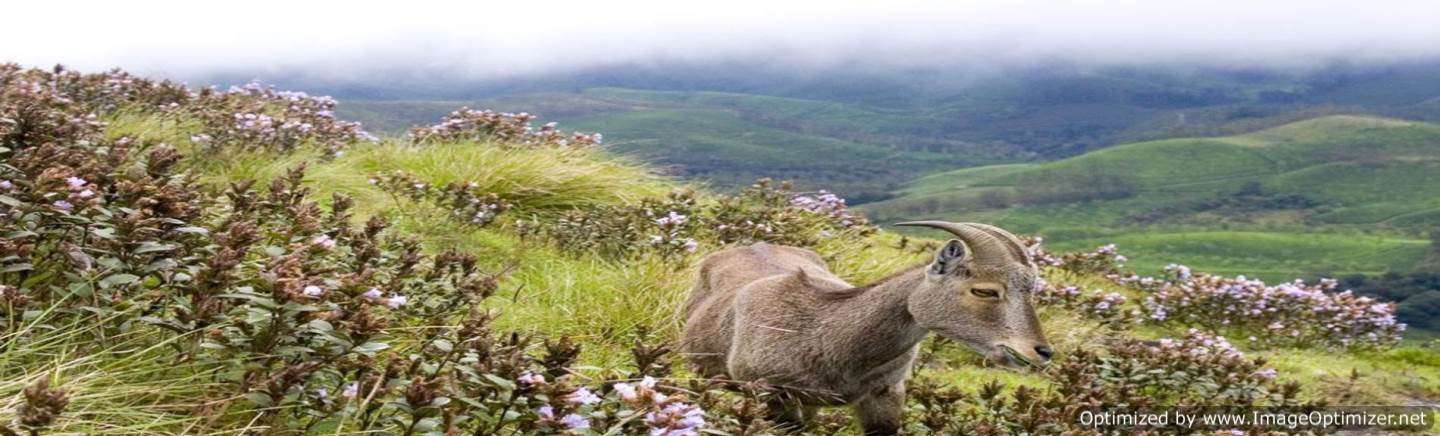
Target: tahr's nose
{"points": [[1044, 351]]}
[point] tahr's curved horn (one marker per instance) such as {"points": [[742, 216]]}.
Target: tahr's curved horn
{"points": [[985, 245], [1017, 247]]}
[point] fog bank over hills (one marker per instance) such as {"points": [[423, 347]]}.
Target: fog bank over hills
{"points": [[423, 48]]}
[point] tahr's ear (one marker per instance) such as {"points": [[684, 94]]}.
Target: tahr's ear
{"points": [[949, 258]]}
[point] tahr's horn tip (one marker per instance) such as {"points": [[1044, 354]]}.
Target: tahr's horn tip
{"points": [[915, 223]]}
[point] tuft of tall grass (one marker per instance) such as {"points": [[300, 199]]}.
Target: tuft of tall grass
{"points": [[538, 180], [128, 383]]}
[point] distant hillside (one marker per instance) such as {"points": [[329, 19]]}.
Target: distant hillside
{"points": [[862, 136], [1327, 197], [730, 140]]}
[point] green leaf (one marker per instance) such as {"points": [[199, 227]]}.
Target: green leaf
{"points": [[192, 229], [321, 325], [444, 345], [503, 383], [10, 201], [21, 234], [151, 247], [81, 289], [118, 279], [369, 348], [17, 267], [110, 262]]}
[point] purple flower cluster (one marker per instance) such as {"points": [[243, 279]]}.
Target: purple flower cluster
{"points": [[1038, 254], [673, 233], [1293, 313], [37, 109], [668, 416], [68, 104], [255, 115], [1199, 343], [509, 129], [1104, 260], [830, 205], [1107, 307], [1108, 303]]}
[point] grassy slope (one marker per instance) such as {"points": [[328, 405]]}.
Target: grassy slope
{"points": [[601, 303], [1369, 173]]}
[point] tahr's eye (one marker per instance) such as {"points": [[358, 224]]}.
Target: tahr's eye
{"points": [[985, 292]]}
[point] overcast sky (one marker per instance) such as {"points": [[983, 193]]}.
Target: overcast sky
{"points": [[500, 38]]}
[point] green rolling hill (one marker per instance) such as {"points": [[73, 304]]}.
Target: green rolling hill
{"points": [[729, 139], [865, 139], [1329, 196]]}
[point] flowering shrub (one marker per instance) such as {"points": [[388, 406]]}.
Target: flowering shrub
{"points": [[1038, 253], [766, 213], [1293, 314], [96, 93], [666, 227], [258, 116], [507, 129], [679, 224], [1104, 260], [69, 104], [1198, 370], [291, 307], [827, 204], [465, 201], [1107, 307], [34, 111]]}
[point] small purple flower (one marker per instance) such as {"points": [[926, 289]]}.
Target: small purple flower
{"points": [[313, 291], [671, 219], [372, 294], [324, 241], [351, 390], [626, 391], [87, 193], [575, 422], [75, 182], [6, 185], [322, 392], [546, 412], [529, 378], [582, 396], [690, 245], [63, 205], [675, 419], [396, 301], [1267, 373]]}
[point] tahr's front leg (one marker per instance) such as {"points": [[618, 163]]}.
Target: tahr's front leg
{"points": [[883, 411]]}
